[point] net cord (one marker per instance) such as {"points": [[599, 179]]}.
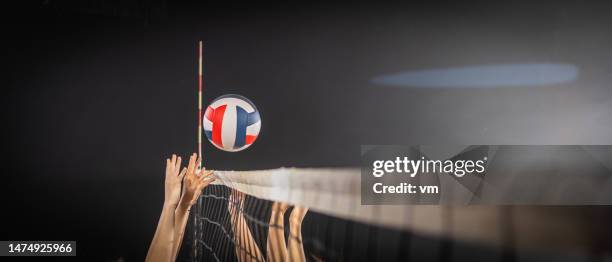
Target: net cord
{"points": [[337, 192]]}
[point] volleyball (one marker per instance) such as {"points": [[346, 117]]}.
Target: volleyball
{"points": [[231, 123]]}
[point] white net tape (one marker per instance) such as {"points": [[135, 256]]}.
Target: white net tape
{"points": [[335, 193]]}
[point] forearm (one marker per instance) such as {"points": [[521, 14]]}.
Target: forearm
{"points": [[277, 251], [163, 240], [181, 216], [246, 247], [296, 248]]}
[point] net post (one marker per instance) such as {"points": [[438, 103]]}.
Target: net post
{"points": [[195, 214], [200, 85]]}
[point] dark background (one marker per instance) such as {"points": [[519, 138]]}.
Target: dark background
{"points": [[99, 93]]}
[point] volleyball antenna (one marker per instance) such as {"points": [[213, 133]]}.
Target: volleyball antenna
{"points": [[200, 87], [196, 224]]}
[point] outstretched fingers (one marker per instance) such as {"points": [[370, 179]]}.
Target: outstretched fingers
{"points": [[173, 165], [203, 173], [201, 184], [177, 165], [192, 164], [182, 174], [206, 178], [198, 162]]}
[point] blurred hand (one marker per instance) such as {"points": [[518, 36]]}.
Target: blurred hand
{"points": [[195, 181], [173, 180], [278, 211], [297, 216], [236, 201]]}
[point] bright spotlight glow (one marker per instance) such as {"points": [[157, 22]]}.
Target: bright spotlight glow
{"points": [[483, 76]]}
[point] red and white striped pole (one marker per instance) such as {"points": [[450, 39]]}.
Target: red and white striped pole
{"points": [[200, 84], [196, 222]]}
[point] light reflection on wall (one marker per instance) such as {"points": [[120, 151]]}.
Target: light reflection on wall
{"points": [[483, 76]]}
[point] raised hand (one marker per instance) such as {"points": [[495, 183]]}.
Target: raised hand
{"points": [[195, 181], [163, 244], [297, 216], [173, 180], [279, 207], [236, 201]]}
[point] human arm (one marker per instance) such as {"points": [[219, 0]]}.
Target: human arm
{"points": [[295, 244], [277, 249], [194, 182], [246, 247], [163, 241]]}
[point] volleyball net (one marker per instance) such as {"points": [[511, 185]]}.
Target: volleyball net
{"points": [[236, 219]]}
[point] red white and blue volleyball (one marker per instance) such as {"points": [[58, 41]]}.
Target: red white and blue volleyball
{"points": [[231, 123]]}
